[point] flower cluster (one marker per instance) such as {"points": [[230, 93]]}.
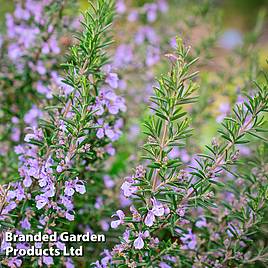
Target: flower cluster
{"points": [[32, 47], [50, 159]]}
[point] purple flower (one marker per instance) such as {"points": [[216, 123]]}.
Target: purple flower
{"points": [[100, 133], [99, 202], [149, 219], [185, 158], [244, 150], [224, 111], [146, 33], [21, 13], [1, 41], [69, 263], [151, 11], [109, 149], [120, 214], [48, 260], [153, 56], [134, 131], [107, 98], [180, 211], [98, 264], [66, 202], [60, 245], [123, 55], [14, 262], [111, 78], [120, 6], [12, 205], [164, 265], [109, 133], [174, 153], [27, 182], [126, 235], [201, 222], [36, 135], [167, 209], [104, 225], [158, 209], [128, 188], [32, 116], [14, 52], [133, 16], [41, 201], [40, 68], [135, 214], [69, 190], [230, 39], [189, 240], [124, 201], [15, 136], [108, 182], [162, 6], [138, 242], [21, 245], [41, 88], [80, 187], [106, 258], [69, 215], [25, 224]]}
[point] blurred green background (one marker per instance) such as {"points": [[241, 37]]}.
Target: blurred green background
{"points": [[237, 14]]}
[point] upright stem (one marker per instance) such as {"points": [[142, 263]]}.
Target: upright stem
{"points": [[159, 158]]}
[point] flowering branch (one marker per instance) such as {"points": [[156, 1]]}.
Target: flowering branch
{"points": [[50, 161], [171, 194]]}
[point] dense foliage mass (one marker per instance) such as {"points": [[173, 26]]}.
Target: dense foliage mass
{"points": [[72, 103]]}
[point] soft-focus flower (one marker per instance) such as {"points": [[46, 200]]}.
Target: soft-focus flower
{"points": [[152, 56], [25, 224], [14, 262], [108, 182], [224, 110], [189, 240], [230, 39], [201, 222], [120, 6]]}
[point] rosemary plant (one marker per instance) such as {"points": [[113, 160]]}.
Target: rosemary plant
{"points": [[80, 128], [161, 231]]}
